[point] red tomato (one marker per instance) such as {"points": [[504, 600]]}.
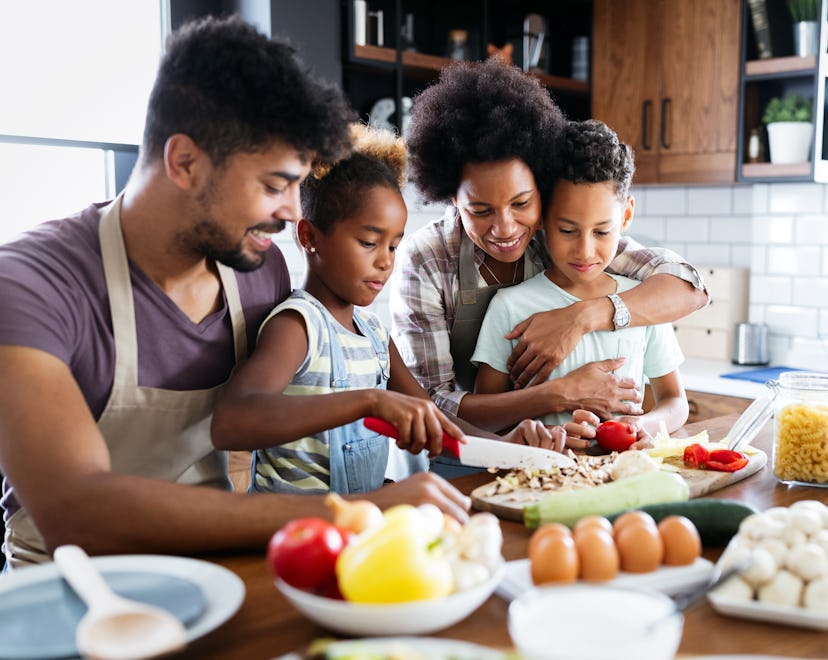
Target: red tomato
{"points": [[613, 435], [303, 553]]}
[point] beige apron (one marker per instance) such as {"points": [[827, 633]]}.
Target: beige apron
{"points": [[172, 442], [470, 305]]}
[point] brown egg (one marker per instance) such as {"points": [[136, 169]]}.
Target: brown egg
{"points": [[592, 522], [597, 554], [639, 547], [553, 529], [553, 558], [682, 544], [632, 518]]}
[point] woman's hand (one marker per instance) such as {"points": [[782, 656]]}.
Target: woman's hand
{"points": [[544, 340], [536, 434], [594, 387]]}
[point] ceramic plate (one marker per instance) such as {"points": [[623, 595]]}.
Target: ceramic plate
{"points": [[412, 618], [39, 612], [410, 648], [670, 580]]}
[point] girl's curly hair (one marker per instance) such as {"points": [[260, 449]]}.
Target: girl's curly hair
{"points": [[334, 191], [590, 152], [477, 113]]}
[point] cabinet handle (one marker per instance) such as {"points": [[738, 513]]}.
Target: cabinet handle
{"points": [[665, 104], [645, 123]]}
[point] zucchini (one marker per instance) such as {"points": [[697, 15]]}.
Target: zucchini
{"points": [[716, 519], [569, 506]]}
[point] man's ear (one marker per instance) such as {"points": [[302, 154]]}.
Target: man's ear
{"points": [[629, 212], [183, 161]]}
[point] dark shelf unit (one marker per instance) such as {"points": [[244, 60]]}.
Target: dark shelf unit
{"points": [[371, 72], [762, 79]]}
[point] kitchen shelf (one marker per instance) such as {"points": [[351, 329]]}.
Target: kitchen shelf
{"points": [[763, 79], [761, 69], [423, 64]]}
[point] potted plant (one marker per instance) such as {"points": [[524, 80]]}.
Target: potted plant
{"points": [[806, 35], [790, 128]]}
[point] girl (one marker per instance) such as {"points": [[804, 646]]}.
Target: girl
{"points": [[322, 363]]}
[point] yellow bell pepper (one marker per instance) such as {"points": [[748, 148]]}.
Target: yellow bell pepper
{"points": [[394, 561]]}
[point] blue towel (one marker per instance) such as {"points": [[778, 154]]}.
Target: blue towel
{"points": [[761, 375]]}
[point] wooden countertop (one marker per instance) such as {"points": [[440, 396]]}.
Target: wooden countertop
{"points": [[267, 625]]}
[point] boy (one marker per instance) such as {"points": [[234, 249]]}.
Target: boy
{"points": [[589, 207]]}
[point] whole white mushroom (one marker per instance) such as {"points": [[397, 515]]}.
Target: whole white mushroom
{"points": [[808, 561], [785, 588], [816, 595]]}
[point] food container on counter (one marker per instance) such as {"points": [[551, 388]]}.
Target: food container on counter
{"points": [[800, 429]]}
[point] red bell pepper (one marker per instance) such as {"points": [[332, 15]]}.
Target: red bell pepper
{"points": [[721, 460]]}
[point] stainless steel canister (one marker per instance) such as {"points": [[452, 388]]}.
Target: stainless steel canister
{"points": [[750, 344]]}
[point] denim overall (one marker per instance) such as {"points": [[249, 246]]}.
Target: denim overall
{"points": [[358, 456]]}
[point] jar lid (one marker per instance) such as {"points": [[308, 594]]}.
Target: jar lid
{"points": [[750, 422]]}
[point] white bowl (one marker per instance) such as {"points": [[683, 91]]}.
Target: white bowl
{"points": [[592, 622], [412, 618]]}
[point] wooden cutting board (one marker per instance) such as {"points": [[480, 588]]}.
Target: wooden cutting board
{"points": [[509, 506]]}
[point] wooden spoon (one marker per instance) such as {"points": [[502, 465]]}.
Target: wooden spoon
{"points": [[116, 628]]}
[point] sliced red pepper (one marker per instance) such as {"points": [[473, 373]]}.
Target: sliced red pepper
{"points": [[695, 456], [726, 460]]}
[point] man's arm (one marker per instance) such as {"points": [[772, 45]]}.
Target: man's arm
{"points": [[59, 465]]}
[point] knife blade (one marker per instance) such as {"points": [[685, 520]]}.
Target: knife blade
{"points": [[486, 453]]}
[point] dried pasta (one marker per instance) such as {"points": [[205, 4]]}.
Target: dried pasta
{"points": [[801, 451]]}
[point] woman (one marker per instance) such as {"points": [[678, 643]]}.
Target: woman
{"points": [[483, 138]]}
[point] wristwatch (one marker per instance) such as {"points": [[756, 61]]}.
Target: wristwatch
{"points": [[621, 318]]}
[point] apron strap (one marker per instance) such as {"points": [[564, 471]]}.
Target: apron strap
{"points": [[468, 271]]}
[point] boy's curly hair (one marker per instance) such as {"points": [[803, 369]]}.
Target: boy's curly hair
{"points": [[334, 191], [232, 90], [478, 113], [590, 152]]}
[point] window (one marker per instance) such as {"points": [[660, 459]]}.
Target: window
{"points": [[75, 77]]}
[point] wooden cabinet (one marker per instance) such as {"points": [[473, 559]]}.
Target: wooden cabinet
{"points": [[783, 73], [666, 78]]}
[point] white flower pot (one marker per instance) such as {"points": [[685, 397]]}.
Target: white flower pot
{"points": [[790, 141]]}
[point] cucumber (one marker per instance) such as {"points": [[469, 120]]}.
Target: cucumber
{"points": [[569, 506], [717, 520]]}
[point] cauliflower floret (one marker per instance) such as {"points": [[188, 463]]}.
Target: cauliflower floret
{"points": [[808, 561], [784, 589], [816, 595]]}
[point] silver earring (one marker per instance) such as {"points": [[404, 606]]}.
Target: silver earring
{"points": [[312, 250]]}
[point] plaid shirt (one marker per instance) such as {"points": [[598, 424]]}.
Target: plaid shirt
{"points": [[426, 278]]}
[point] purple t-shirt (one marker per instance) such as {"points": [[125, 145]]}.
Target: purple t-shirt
{"points": [[53, 297]]}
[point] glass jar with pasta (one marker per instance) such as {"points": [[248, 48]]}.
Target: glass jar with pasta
{"points": [[800, 429]]}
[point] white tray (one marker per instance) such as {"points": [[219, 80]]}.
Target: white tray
{"points": [[670, 580]]}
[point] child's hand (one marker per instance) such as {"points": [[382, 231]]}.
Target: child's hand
{"points": [[645, 440], [419, 422], [535, 434], [580, 432]]}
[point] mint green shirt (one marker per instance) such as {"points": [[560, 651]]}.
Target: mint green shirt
{"points": [[651, 351]]}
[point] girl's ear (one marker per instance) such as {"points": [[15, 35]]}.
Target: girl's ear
{"points": [[629, 212], [306, 233]]}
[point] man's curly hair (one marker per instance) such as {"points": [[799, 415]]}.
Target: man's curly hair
{"points": [[231, 89], [479, 113], [590, 152]]}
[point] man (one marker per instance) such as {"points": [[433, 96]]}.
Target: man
{"points": [[120, 324]]}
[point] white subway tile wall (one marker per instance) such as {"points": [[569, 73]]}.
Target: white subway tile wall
{"points": [[779, 231]]}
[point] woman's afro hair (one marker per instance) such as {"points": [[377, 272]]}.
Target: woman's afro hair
{"points": [[477, 113]]}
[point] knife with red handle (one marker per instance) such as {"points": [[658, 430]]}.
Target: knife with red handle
{"points": [[485, 452]]}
